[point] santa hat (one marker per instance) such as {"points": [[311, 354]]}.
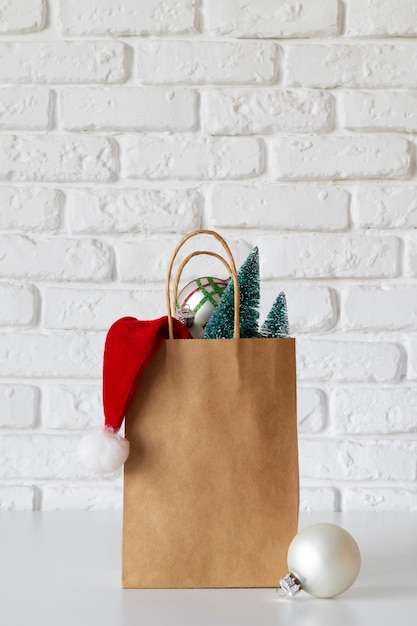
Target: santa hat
{"points": [[130, 346]]}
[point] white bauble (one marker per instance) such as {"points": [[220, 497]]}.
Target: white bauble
{"points": [[325, 559]]}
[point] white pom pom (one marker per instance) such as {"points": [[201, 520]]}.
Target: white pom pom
{"points": [[103, 451]]}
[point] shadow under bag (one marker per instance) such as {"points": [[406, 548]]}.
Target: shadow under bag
{"points": [[211, 490]]}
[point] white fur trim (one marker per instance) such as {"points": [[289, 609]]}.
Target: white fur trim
{"points": [[103, 451]]}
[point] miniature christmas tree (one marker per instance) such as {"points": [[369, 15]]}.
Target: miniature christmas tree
{"points": [[220, 325], [276, 323]]}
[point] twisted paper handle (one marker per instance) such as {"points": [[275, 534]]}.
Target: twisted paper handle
{"points": [[231, 268]]}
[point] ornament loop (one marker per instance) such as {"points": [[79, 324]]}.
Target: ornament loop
{"points": [[288, 586], [185, 315]]}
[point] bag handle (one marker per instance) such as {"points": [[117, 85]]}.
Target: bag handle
{"points": [[231, 267]]}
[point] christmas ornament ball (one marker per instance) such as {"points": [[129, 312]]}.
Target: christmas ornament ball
{"points": [[325, 559], [202, 295]]}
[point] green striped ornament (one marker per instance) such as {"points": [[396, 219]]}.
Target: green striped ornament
{"points": [[202, 295]]}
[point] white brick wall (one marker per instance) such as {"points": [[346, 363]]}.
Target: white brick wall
{"points": [[269, 18], [113, 17], [190, 157], [377, 18], [249, 112], [30, 208], [57, 158], [340, 157], [54, 258], [26, 108], [19, 406], [393, 206], [329, 255], [63, 62], [380, 110], [206, 62], [16, 18], [287, 125], [354, 65], [128, 108]]}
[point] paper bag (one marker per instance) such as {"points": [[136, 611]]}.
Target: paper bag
{"points": [[211, 483]]}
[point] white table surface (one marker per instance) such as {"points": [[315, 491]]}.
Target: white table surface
{"points": [[59, 569]]}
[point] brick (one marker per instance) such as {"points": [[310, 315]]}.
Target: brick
{"points": [[153, 157], [143, 260], [310, 308], [62, 62], [391, 307], [72, 406], [75, 498], [381, 18], [380, 110], [311, 410], [14, 498], [126, 17], [19, 407], [57, 158], [340, 157], [348, 361], [384, 410], [392, 206], [355, 459], [55, 355], [354, 65], [380, 499], [412, 364], [410, 264], [248, 112], [318, 499], [25, 16], [128, 108], [30, 208], [73, 259], [26, 108], [206, 62], [134, 210], [18, 304], [146, 260], [328, 255], [40, 457], [97, 309], [279, 206], [268, 18]]}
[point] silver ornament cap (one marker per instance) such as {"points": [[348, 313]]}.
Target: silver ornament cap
{"points": [[324, 559], [185, 315], [288, 586]]}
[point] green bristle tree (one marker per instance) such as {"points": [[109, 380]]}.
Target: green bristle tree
{"points": [[276, 323], [221, 323]]}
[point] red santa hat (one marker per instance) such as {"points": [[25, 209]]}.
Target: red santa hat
{"points": [[130, 346]]}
